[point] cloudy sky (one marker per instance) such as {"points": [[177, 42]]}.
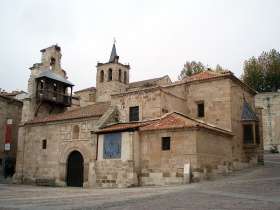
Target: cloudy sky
{"points": [[155, 37]]}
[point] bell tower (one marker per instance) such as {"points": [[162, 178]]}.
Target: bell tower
{"points": [[49, 91], [112, 77]]}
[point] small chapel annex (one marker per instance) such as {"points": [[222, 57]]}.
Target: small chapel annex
{"points": [[122, 133]]}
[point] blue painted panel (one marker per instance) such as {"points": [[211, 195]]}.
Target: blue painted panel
{"points": [[112, 145]]}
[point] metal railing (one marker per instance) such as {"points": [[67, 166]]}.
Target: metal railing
{"points": [[53, 96]]}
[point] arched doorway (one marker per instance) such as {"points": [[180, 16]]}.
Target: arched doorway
{"points": [[75, 169]]}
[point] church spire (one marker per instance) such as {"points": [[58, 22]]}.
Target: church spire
{"points": [[113, 53]]}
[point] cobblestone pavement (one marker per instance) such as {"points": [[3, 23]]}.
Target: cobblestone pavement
{"points": [[257, 189]]}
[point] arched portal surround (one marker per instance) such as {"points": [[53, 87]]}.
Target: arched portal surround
{"points": [[75, 169], [66, 150]]}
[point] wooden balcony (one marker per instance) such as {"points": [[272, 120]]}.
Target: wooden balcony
{"points": [[44, 95]]}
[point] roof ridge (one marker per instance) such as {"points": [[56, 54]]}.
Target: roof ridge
{"points": [[97, 109], [85, 89], [200, 121], [146, 80]]}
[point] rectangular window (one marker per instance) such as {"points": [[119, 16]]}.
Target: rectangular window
{"points": [[165, 143], [200, 109], [134, 113], [44, 144], [248, 136], [112, 146]]}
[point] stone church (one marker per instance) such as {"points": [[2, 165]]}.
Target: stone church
{"points": [[122, 133]]}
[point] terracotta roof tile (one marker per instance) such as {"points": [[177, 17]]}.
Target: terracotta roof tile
{"points": [[168, 121], [93, 110], [205, 75], [172, 120], [122, 126], [177, 120]]}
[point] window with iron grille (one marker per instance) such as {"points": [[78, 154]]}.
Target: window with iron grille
{"points": [[165, 143], [134, 113]]}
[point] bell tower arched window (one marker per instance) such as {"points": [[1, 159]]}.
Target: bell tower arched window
{"points": [[125, 77], [110, 75], [52, 62], [102, 76], [120, 75]]}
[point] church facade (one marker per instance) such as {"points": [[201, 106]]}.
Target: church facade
{"points": [[122, 134]]}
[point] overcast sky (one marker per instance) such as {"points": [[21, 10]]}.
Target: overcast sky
{"points": [[155, 37]]}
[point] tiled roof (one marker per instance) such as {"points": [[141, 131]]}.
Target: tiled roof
{"points": [[168, 121], [212, 75], [145, 83], [51, 75], [172, 120], [86, 89], [122, 126], [177, 120], [12, 94], [248, 113], [8, 98], [206, 75], [94, 110]]}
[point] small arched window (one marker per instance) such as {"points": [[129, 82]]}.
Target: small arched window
{"points": [[52, 62], [102, 76], [76, 132], [120, 75], [125, 77], [110, 75]]}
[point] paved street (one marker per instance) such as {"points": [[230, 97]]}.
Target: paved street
{"points": [[257, 188]]}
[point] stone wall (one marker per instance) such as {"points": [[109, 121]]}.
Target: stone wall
{"points": [[148, 100], [237, 99], [86, 97], [214, 154], [216, 96], [270, 104], [121, 172], [161, 167], [207, 152], [171, 102], [35, 163]]}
